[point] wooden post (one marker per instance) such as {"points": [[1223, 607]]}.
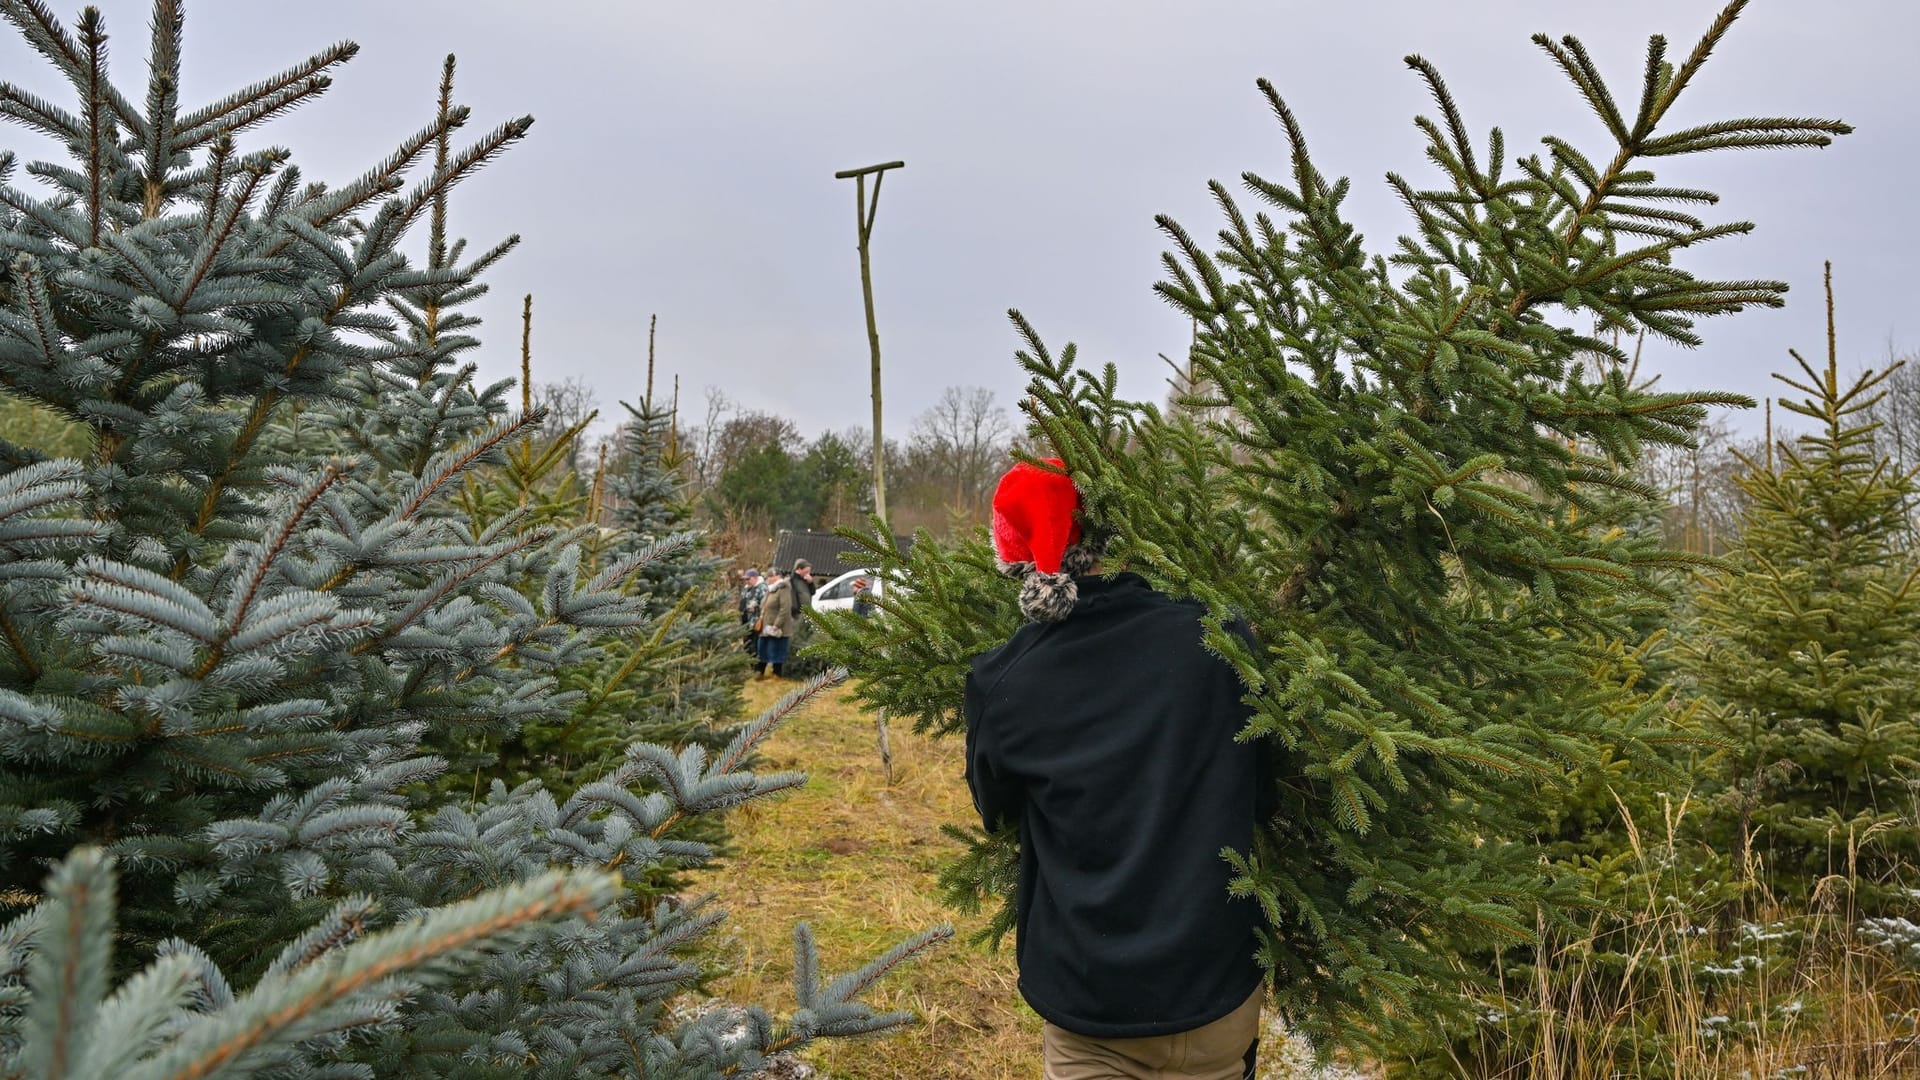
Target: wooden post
{"points": [[863, 220], [863, 212], [1769, 436], [526, 355]]}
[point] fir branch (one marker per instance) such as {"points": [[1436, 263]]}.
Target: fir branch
{"points": [[437, 230], [453, 465], [1462, 145], [1572, 57], [218, 156], [141, 597], [396, 218], [37, 23], [282, 101], [163, 97], [31, 284], [93, 40], [1747, 134], [447, 584], [29, 664], [752, 735], [322, 209], [1670, 88], [67, 976], [746, 741], [253, 174], [345, 924], [263, 406], [263, 100], [270, 551], [1652, 80], [612, 683], [850, 986], [283, 1010], [39, 115]]}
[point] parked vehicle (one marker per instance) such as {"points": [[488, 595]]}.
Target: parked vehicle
{"points": [[838, 594]]}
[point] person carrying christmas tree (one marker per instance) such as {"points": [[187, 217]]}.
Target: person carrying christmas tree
{"points": [[1103, 730]]}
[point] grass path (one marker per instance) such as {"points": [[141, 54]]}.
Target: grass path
{"points": [[859, 862]]}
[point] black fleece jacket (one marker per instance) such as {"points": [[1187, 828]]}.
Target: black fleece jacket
{"points": [[1108, 738]]}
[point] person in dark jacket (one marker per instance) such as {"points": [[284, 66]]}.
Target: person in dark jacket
{"points": [[803, 586], [1104, 732]]}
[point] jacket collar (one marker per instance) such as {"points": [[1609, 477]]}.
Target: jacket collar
{"points": [[1108, 588]]}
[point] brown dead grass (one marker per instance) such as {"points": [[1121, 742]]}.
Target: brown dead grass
{"points": [[859, 862]]}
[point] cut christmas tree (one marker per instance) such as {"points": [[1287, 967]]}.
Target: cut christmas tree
{"points": [[1408, 477]]}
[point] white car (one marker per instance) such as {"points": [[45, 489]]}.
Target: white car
{"points": [[837, 595]]}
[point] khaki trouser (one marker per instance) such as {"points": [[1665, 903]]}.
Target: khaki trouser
{"points": [[1215, 1051]]}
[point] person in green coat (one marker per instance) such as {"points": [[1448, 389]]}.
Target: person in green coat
{"points": [[785, 605]]}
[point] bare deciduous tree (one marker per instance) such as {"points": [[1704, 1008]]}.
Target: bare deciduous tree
{"points": [[704, 439], [567, 402], [1898, 414], [749, 431], [962, 442], [1705, 502]]}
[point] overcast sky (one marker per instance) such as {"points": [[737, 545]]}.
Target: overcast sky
{"points": [[683, 156]]}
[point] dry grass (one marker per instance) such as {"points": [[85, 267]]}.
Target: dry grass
{"points": [[858, 861], [1819, 1004]]}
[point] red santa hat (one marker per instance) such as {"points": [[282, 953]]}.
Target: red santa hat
{"points": [[1037, 534]]}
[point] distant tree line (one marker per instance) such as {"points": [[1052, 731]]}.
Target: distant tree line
{"points": [[752, 473], [755, 473]]}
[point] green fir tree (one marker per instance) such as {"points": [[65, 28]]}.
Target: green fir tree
{"points": [[1811, 646], [1405, 491], [679, 682], [536, 476]]}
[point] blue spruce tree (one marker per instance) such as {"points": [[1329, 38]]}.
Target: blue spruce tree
{"points": [[699, 683], [227, 649]]}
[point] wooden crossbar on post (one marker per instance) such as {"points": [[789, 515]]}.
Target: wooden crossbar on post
{"points": [[848, 174]]}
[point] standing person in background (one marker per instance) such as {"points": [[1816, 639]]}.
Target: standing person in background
{"points": [[781, 613], [752, 594], [778, 620], [802, 582], [1104, 731]]}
